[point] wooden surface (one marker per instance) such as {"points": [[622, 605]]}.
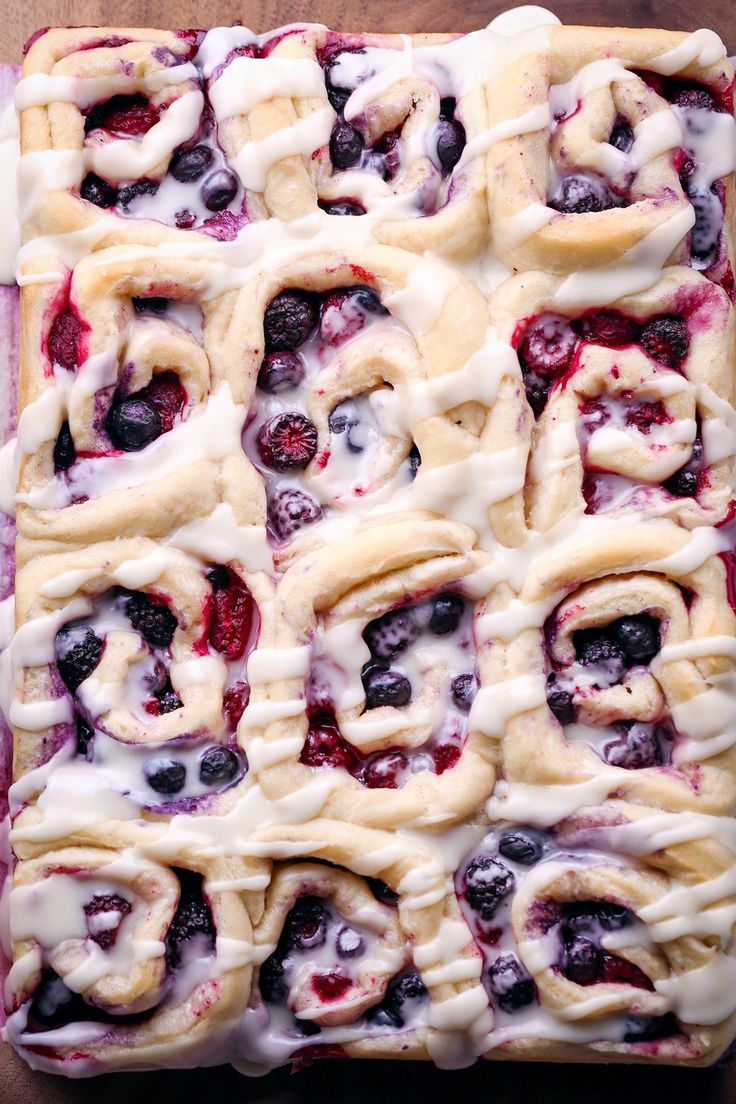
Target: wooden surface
{"points": [[353, 1082], [19, 18]]}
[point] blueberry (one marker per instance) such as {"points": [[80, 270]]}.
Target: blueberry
{"points": [[219, 577], [342, 208], [218, 764], [579, 194], [463, 691], [646, 1029], [271, 979], [638, 637], [706, 232], [595, 646], [152, 304], [190, 164], [53, 1002], [561, 704], [306, 925], [155, 622], [133, 424], [280, 372], [450, 143], [167, 698], [582, 961], [622, 136], [368, 299], [521, 846], [219, 190], [346, 146], [637, 748], [415, 460], [78, 653], [165, 776], [582, 916], [510, 983], [349, 943], [683, 484], [385, 687], [390, 1013], [64, 452], [391, 634], [289, 319], [487, 882], [96, 190], [446, 614]]}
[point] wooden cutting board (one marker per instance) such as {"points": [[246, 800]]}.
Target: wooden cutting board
{"points": [[19, 18], [362, 1082]]}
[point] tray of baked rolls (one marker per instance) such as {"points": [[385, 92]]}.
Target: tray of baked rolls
{"points": [[368, 559]]}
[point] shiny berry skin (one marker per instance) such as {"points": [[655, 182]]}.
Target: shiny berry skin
{"points": [[349, 943], [683, 484], [463, 690], [391, 634], [289, 319], [306, 925], [280, 372], [705, 234], [133, 424], [346, 146], [287, 441], [582, 916], [342, 208], [510, 984], [646, 1029], [582, 195], [385, 687], [582, 961], [77, 656], [96, 190], [446, 614], [548, 345], [622, 136], [85, 736], [638, 637], [609, 328], [666, 340], [218, 764], [331, 986], [232, 611], [522, 846], [487, 881], [64, 451], [219, 190], [55, 1005], [153, 620], [165, 776], [167, 396], [381, 771], [561, 704], [190, 164], [289, 510], [415, 460], [101, 903], [636, 749], [450, 143]]}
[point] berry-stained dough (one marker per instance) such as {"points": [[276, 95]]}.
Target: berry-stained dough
{"points": [[371, 664]]}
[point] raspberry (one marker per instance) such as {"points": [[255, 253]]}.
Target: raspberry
{"points": [[325, 747], [126, 116], [609, 328], [548, 345], [287, 441], [167, 396], [234, 701], [64, 340], [231, 618]]}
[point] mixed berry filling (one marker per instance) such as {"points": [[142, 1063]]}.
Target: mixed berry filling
{"points": [[548, 345], [612, 655], [303, 332], [198, 191], [320, 951], [190, 767], [408, 645], [190, 938], [485, 885]]}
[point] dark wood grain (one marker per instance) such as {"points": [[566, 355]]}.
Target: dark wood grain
{"points": [[19, 18]]}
